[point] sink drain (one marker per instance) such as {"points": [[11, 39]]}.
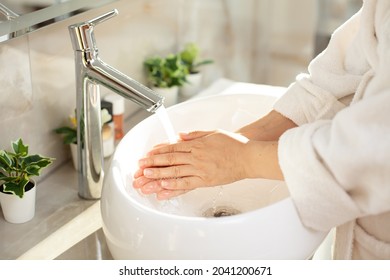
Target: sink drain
{"points": [[220, 211]]}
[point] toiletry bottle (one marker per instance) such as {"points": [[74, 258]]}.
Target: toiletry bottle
{"points": [[118, 108], [108, 134]]}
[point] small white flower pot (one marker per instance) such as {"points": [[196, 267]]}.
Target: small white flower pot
{"points": [[18, 210], [171, 95], [192, 87]]}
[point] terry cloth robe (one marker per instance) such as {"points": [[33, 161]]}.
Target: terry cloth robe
{"points": [[336, 163]]}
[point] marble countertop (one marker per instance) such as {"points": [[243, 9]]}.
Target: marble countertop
{"points": [[62, 218], [57, 204]]}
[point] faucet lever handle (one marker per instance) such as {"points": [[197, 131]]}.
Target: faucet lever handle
{"points": [[103, 17], [82, 33]]}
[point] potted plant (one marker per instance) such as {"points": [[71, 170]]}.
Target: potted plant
{"points": [[190, 57], [69, 134], [17, 189], [165, 75]]}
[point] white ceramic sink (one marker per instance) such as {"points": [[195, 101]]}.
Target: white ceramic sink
{"points": [[265, 224]]}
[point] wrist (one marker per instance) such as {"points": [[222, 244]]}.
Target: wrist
{"points": [[261, 160], [268, 128]]}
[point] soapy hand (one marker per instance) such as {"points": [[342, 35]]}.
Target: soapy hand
{"points": [[199, 159]]}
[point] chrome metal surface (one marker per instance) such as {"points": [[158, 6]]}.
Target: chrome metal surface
{"points": [[91, 72], [8, 13], [36, 19]]}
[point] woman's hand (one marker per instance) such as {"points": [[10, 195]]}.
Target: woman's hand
{"points": [[203, 159]]}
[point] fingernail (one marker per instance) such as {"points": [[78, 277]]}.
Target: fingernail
{"points": [[150, 187], [163, 195], [142, 162], [148, 172], [164, 183]]}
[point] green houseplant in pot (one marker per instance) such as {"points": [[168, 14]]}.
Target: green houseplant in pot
{"points": [[69, 133], [17, 188], [190, 57], [166, 75]]}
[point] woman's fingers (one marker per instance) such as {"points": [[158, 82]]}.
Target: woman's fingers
{"points": [[168, 159], [193, 135], [167, 194], [142, 181], [138, 173], [176, 171], [180, 147], [183, 183], [183, 146], [148, 185]]}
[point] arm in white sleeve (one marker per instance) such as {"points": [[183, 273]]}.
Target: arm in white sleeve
{"points": [[339, 170]]}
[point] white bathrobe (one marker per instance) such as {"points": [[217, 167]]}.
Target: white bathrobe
{"points": [[336, 163]]}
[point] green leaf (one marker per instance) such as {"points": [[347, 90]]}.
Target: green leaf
{"points": [[16, 188], [69, 134], [6, 178], [19, 147], [65, 130], [190, 53], [33, 170], [166, 72], [5, 162], [204, 62], [70, 139], [33, 159], [34, 163], [45, 162]]}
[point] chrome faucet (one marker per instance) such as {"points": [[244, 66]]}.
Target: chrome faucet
{"points": [[7, 16], [91, 72], [8, 13]]}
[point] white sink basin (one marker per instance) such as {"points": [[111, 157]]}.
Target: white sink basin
{"points": [[265, 224]]}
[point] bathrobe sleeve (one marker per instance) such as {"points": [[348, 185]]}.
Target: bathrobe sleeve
{"points": [[337, 162], [333, 78], [339, 170]]}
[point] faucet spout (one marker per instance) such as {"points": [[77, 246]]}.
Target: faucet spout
{"points": [[124, 85], [91, 72]]}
